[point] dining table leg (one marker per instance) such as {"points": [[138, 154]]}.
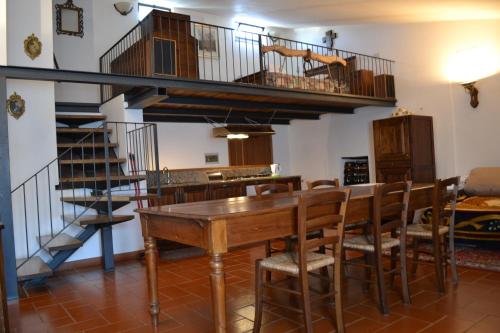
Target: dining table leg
{"points": [[151, 256], [218, 293]]}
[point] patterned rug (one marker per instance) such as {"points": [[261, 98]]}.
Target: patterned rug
{"points": [[488, 259]]}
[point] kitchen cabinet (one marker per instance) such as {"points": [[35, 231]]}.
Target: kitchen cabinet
{"points": [[227, 190], [193, 193], [404, 149]]}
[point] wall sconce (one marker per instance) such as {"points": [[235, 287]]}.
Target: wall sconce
{"points": [[469, 65], [124, 7], [473, 92]]}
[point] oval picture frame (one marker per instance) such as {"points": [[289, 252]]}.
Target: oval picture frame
{"points": [[16, 105], [32, 46]]}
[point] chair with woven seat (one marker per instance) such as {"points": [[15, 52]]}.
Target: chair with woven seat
{"points": [[316, 210], [268, 189], [323, 183], [438, 230], [390, 207]]}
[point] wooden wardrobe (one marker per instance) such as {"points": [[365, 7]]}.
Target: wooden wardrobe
{"points": [[404, 149]]}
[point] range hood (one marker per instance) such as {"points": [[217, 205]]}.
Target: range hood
{"points": [[242, 131]]}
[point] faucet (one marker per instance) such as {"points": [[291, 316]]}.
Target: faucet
{"points": [[166, 172]]}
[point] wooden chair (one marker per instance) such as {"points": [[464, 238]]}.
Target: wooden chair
{"points": [[438, 230], [311, 185], [264, 189], [316, 210], [267, 189], [390, 207]]}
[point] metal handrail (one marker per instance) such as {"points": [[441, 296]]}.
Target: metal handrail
{"points": [[147, 132]]}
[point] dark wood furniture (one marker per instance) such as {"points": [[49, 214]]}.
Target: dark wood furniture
{"points": [[362, 83], [168, 50], [442, 226], [217, 226], [387, 217], [404, 149], [303, 261], [252, 151], [384, 86], [4, 311]]}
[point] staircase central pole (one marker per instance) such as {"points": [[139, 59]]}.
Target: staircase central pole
{"points": [[106, 231]]}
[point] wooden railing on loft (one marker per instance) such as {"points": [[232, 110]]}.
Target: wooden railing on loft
{"points": [[171, 45]]}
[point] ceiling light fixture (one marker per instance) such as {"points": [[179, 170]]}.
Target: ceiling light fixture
{"points": [[124, 7], [239, 136]]}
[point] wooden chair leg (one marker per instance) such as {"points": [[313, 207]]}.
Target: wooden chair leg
{"points": [[438, 266], [415, 256], [268, 254], [368, 271], [306, 301], [337, 285], [324, 270], [453, 259], [259, 292], [394, 260], [404, 271], [379, 268]]}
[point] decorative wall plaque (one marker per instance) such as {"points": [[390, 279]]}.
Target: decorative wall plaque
{"points": [[69, 19], [15, 105], [32, 46]]}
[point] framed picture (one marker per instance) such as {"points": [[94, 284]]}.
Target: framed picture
{"points": [[69, 19], [207, 40]]}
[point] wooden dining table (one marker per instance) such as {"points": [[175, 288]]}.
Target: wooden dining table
{"points": [[219, 225]]}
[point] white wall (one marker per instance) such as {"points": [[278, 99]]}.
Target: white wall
{"points": [[103, 26], [3, 32], [32, 137], [464, 137]]}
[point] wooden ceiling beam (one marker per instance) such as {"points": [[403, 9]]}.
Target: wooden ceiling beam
{"points": [[202, 120], [224, 114], [256, 105]]}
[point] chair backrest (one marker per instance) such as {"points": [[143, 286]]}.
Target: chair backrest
{"points": [[323, 182], [390, 209], [266, 189], [318, 211], [441, 198]]}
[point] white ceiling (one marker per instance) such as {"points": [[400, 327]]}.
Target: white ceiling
{"points": [[309, 13]]}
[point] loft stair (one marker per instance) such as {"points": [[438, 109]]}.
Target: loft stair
{"points": [[35, 267], [80, 130], [92, 161], [77, 107], [101, 178], [98, 219], [97, 182], [60, 242], [98, 203], [75, 120], [85, 145]]}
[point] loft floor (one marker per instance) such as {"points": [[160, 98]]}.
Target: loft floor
{"points": [[235, 102], [90, 300]]}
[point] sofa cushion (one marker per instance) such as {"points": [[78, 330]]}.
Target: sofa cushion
{"points": [[483, 181]]}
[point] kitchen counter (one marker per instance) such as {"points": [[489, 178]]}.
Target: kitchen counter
{"points": [[216, 189], [250, 180]]}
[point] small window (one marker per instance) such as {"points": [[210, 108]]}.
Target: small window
{"points": [[165, 60]]}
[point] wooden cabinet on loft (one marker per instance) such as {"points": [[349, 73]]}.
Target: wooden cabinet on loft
{"points": [[160, 45], [404, 149]]}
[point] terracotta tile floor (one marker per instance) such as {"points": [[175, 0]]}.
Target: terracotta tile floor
{"points": [[93, 301]]}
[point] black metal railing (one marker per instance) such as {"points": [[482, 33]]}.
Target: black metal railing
{"points": [[164, 46], [113, 159]]}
